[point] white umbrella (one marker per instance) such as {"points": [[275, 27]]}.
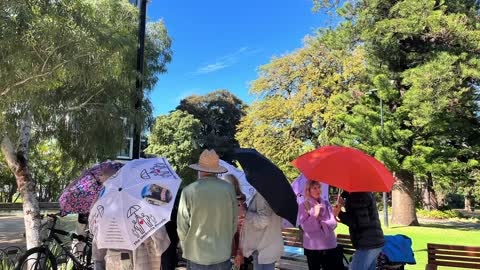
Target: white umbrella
{"points": [[246, 188], [135, 203]]}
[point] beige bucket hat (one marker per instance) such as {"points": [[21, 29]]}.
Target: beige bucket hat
{"points": [[209, 162]]}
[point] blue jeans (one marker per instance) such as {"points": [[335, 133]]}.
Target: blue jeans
{"points": [[227, 265], [365, 259], [257, 266]]}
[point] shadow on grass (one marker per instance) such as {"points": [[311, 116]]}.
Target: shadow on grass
{"points": [[453, 225], [461, 226]]}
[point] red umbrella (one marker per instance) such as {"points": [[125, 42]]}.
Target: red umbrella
{"points": [[346, 168]]}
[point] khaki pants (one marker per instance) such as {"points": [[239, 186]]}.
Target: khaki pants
{"points": [[118, 260], [145, 257]]}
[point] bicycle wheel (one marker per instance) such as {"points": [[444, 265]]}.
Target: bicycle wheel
{"points": [[38, 258]]}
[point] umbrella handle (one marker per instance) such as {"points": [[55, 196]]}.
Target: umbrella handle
{"points": [[336, 204], [338, 196]]}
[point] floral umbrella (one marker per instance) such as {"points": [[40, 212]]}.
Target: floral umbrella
{"points": [[82, 192]]}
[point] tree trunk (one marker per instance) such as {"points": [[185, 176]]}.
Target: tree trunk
{"points": [[17, 161], [403, 200], [430, 201], [469, 202]]}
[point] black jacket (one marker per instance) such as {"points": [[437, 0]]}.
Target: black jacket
{"points": [[361, 217]]}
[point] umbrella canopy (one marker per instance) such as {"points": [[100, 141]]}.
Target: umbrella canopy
{"points": [[245, 186], [298, 187], [347, 168], [82, 192], [134, 204], [270, 182]]}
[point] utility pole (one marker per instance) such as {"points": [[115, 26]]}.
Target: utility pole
{"points": [[137, 129], [385, 200]]}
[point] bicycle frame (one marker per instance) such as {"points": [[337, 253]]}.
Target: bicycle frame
{"points": [[52, 235]]}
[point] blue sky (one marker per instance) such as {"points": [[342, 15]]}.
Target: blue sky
{"points": [[220, 44]]}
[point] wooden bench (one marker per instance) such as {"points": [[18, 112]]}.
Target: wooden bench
{"points": [[293, 237], [452, 256], [344, 241]]}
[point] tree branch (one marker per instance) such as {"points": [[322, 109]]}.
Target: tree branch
{"points": [[50, 55], [6, 90], [78, 107]]}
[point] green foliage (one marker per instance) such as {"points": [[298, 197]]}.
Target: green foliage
{"points": [[8, 186], [52, 170], [219, 113], [437, 214], [176, 136], [71, 64], [422, 57], [300, 96]]}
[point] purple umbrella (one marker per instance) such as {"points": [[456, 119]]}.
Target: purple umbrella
{"points": [[81, 193], [298, 187]]}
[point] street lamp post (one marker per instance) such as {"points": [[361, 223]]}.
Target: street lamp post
{"points": [[137, 128], [385, 201]]}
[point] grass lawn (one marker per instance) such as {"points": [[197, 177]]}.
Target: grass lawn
{"points": [[430, 233]]}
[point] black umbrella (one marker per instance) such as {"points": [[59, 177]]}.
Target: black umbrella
{"points": [[269, 181]]}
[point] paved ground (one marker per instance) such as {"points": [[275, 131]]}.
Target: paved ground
{"points": [[11, 231]]}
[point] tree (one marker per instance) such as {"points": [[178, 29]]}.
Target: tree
{"points": [[176, 136], [219, 113], [7, 183], [422, 56], [52, 170], [301, 93], [67, 72]]}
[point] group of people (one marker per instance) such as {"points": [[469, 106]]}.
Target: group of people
{"points": [[318, 220], [215, 224], [217, 230]]}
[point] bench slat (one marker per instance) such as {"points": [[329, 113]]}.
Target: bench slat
{"points": [[457, 253], [456, 264], [454, 259], [453, 247], [453, 256]]}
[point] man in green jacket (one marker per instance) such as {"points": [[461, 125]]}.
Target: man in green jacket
{"points": [[207, 217]]}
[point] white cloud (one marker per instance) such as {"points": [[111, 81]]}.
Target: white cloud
{"points": [[212, 67], [225, 61]]}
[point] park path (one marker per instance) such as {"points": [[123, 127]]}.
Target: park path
{"points": [[452, 224], [11, 231]]}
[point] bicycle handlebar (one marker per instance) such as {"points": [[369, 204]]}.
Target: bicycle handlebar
{"points": [[71, 235], [54, 215]]}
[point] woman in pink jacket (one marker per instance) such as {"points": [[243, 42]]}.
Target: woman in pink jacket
{"points": [[318, 223]]}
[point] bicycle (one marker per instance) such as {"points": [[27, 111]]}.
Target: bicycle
{"points": [[42, 257]]}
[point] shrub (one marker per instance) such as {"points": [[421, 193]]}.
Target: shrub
{"points": [[438, 214]]}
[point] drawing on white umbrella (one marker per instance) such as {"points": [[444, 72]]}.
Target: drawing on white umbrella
{"points": [[135, 204], [100, 210], [140, 220], [97, 215], [161, 169], [144, 175], [156, 195]]}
